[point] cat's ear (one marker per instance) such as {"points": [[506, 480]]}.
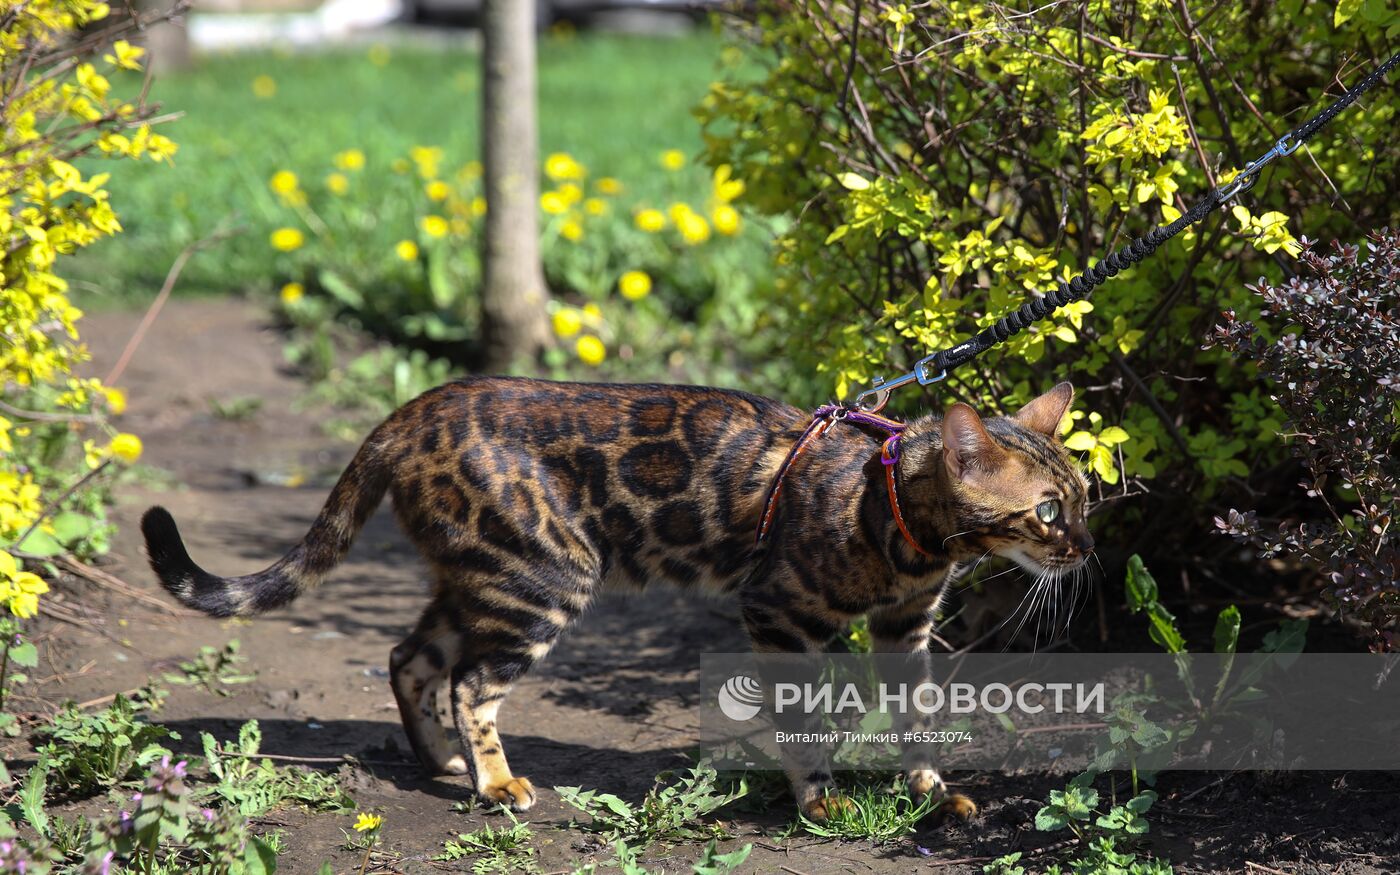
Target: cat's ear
{"points": [[1044, 413], [967, 448]]}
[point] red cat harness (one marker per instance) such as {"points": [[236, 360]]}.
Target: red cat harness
{"points": [[823, 419]]}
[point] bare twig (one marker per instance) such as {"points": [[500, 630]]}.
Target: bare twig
{"points": [[154, 310], [58, 502], [116, 584], [40, 416]]}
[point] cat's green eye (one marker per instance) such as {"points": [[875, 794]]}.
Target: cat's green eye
{"points": [[1048, 511]]}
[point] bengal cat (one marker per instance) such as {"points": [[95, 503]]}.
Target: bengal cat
{"points": [[526, 497]]}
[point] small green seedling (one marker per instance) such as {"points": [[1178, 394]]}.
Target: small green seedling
{"points": [[670, 811]]}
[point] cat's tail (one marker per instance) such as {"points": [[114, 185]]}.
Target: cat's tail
{"points": [[351, 502]]}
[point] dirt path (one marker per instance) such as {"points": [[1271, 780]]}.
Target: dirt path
{"points": [[610, 708]]}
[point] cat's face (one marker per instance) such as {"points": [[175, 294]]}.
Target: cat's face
{"points": [[1019, 494]]}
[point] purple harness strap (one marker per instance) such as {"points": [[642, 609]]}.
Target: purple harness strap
{"points": [[822, 419]]}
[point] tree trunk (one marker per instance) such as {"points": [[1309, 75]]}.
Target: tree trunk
{"points": [[168, 42], [514, 326]]}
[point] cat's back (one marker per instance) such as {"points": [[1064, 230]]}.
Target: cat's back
{"points": [[544, 410], [663, 481]]}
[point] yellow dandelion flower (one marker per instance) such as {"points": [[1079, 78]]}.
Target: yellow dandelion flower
{"points": [[608, 185], [406, 250], [427, 158], [399, 165], [567, 322], [673, 159], [650, 221], [350, 159], [287, 239], [264, 87], [693, 228], [116, 399], [561, 165], [293, 292], [726, 219], [595, 206], [571, 230], [553, 202], [571, 193], [461, 227], [366, 822], [591, 350], [470, 171], [437, 190], [478, 206], [592, 314], [337, 183], [634, 285], [379, 55], [126, 447], [434, 226], [677, 212], [283, 182]]}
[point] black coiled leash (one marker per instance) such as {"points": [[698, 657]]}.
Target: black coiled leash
{"points": [[936, 367]]}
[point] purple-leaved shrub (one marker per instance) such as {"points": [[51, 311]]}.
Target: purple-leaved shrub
{"points": [[1328, 344]]}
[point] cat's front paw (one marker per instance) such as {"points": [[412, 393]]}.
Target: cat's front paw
{"points": [[958, 806], [518, 794], [825, 807]]}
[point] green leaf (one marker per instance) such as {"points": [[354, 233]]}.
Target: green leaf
{"points": [[1227, 630], [1162, 630], [1051, 818], [1140, 586], [1344, 11], [615, 804], [1101, 460], [837, 233], [71, 527], [31, 799], [712, 863], [24, 654], [853, 181], [39, 543], [1081, 441], [1290, 637], [1140, 803], [1112, 436], [260, 859], [341, 290]]}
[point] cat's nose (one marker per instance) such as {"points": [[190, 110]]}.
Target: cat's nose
{"points": [[1085, 542]]}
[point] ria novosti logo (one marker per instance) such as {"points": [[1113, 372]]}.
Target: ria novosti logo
{"points": [[740, 698]]}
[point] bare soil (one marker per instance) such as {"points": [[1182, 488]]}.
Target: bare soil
{"points": [[611, 707]]}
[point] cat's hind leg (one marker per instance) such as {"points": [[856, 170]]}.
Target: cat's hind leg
{"points": [[906, 628], [417, 668], [780, 620], [507, 624]]}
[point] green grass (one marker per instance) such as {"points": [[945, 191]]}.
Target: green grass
{"points": [[614, 102]]}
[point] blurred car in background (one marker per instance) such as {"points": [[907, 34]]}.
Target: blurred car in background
{"points": [[550, 11]]}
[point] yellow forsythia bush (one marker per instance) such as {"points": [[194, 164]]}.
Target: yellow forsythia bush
{"points": [[58, 109]]}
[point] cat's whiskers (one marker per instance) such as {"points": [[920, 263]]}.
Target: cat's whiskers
{"points": [[1033, 595], [1030, 591], [959, 535], [1002, 573]]}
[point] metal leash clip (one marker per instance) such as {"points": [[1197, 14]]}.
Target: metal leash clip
{"points": [[872, 400], [1246, 178]]}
